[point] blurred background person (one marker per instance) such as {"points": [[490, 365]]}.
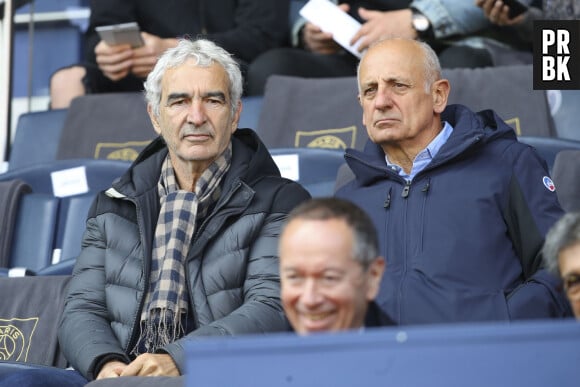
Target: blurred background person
{"points": [[498, 12], [245, 28], [456, 29], [562, 256]]}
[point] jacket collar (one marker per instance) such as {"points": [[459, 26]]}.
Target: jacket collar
{"points": [[250, 161], [470, 130]]}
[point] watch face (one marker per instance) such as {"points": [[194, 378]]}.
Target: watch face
{"points": [[420, 22]]}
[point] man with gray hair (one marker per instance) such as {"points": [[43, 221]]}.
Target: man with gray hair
{"points": [[184, 245], [562, 256], [460, 206]]}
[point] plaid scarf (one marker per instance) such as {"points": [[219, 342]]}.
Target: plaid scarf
{"points": [[162, 320]]}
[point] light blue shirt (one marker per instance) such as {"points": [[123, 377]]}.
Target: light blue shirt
{"points": [[424, 157]]}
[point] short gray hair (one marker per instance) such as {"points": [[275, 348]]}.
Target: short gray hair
{"points": [[432, 67], [205, 54], [563, 234], [366, 245]]}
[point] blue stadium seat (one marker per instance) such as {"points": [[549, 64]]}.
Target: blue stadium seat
{"points": [[33, 236], [564, 109], [549, 147], [41, 239], [530, 353], [251, 107], [566, 176], [314, 168], [36, 138]]}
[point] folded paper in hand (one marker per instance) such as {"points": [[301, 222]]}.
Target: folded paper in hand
{"points": [[330, 18]]}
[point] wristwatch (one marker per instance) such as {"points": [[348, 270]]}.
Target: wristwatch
{"points": [[421, 24]]}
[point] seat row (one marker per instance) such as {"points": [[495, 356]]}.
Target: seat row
{"points": [[306, 124]]}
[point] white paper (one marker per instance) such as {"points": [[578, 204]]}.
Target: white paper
{"points": [[68, 182], [288, 165], [330, 18]]}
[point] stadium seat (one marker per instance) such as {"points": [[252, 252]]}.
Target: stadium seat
{"points": [[566, 176], [30, 316], [535, 353], [315, 169], [564, 109], [549, 147], [51, 220], [33, 236], [325, 112], [251, 107], [36, 138], [112, 126]]}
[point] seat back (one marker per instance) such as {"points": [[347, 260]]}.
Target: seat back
{"points": [[11, 193], [311, 113], [251, 107], [34, 232], [113, 126], [315, 169], [566, 176], [36, 138], [564, 109], [475, 355], [52, 219], [29, 319], [509, 91], [72, 224], [325, 113], [549, 147]]}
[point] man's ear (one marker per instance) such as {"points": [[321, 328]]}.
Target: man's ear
{"points": [[440, 92], [153, 119], [374, 275]]}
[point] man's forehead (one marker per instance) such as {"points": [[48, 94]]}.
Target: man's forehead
{"points": [[198, 81]]}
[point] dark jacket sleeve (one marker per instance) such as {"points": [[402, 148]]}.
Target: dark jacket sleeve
{"points": [[259, 25], [531, 210], [245, 28], [85, 333]]}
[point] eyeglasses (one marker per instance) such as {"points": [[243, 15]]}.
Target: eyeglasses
{"points": [[572, 286]]}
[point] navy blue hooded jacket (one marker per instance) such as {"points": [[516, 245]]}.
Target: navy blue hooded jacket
{"points": [[463, 239]]}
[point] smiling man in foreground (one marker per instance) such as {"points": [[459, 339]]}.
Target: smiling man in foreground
{"points": [[330, 269]]}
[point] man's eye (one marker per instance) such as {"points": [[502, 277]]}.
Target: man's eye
{"points": [[330, 279], [292, 277], [177, 102], [215, 102], [572, 283], [369, 91]]}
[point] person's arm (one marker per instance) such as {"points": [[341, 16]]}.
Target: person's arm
{"points": [[261, 310], [85, 333], [259, 25], [450, 18], [523, 23], [531, 210], [105, 12]]}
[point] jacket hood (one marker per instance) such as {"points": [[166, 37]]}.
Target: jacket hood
{"points": [[470, 130], [250, 161]]}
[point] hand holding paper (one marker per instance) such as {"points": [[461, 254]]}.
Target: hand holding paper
{"points": [[330, 18]]}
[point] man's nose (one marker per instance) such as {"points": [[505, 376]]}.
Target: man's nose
{"points": [[311, 295], [196, 113], [384, 98]]}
